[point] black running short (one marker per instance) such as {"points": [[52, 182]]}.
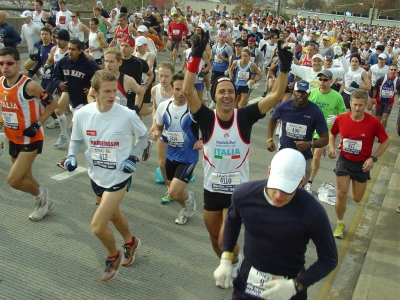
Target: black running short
{"points": [[345, 167], [179, 170], [15, 149], [346, 100], [383, 108], [99, 190], [214, 201]]}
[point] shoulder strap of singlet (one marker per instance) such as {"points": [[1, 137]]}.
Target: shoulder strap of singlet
{"points": [[121, 83]]}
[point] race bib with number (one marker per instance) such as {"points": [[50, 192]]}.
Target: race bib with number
{"points": [[176, 31], [216, 59], [175, 138], [225, 182], [256, 281], [105, 158], [10, 119], [243, 75], [296, 131], [386, 94], [352, 146]]}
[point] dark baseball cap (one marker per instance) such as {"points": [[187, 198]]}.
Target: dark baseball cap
{"points": [[326, 73], [239, 43], [63, 35]]}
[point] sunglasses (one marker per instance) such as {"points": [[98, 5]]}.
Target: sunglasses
{"points": [[73, 16], [7, 63], [324, 79]]}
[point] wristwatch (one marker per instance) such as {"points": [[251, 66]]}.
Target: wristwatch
{"points": [[39, 123], [375, 159], [148, 84], [312, 144], [298, 285]]}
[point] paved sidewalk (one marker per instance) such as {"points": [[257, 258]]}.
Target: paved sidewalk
{"points": [[380, 273]]}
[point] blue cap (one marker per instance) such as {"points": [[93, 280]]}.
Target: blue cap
{"points": [[328, 57], [373, 40], [223, 14], [150, 6], [302, 85]]}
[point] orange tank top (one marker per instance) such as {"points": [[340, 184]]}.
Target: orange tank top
{"points": [[19, 113]]}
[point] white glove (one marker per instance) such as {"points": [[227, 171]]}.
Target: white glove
{"points": [[279, 289], [331, 119], [223, 273], [252, 86], [337, 50]]}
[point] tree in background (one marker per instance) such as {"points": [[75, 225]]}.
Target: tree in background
{"points": [[246, 7]]}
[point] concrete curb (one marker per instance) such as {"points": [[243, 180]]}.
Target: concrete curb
{"points": [[379, 276]]}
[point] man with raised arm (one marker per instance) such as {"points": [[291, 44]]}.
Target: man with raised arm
{"points": [[226, 139]]}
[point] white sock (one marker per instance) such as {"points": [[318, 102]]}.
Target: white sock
{"points": [[63, 124], [340, 221], [40, 193]]}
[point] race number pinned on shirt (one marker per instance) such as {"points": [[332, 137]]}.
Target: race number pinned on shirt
{"points": [[225, 182], [175, 138], [10, 119], [175, 31], [352, 146], [296, 131], [105, 158], [256, 281], [243, 75], [387, 94]]}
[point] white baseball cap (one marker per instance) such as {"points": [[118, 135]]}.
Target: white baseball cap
{"points": [[288, 167], [142, 28], [141, 40], [26, 14], [318, 56], [382, 55]]}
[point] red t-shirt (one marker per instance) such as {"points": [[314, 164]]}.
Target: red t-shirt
{"points": [[176, 31], [357, 138]]}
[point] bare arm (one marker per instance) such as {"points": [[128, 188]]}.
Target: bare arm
{"points": [[35, 90], [367, 82], [135, 87], [90, 96], [232, 69], [276, 94]]}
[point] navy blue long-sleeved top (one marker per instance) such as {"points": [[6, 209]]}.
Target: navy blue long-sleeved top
{"points": [[9, 35], [276, 238], [77, 74], [44, 52]]}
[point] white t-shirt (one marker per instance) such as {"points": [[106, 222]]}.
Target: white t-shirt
{"points": [[31, 34], [108, 138], [63, 18]]}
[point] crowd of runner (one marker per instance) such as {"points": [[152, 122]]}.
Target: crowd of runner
{"points": [[320, 79]]}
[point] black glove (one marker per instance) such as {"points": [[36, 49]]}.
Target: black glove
{"points": [[32, 130], [285, 57], [201, 74], [199, 44], [30, 73], [355, 85], [180, 71]]}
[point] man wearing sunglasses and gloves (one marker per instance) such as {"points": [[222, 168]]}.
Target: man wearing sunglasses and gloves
{"points": [[274, 264]]}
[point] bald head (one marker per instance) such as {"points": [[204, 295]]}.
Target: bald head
{"points": [[3, 17]]}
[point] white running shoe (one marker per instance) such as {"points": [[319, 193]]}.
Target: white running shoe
{"points": [[181, 219], [62, 140], [190, 204], [42, 208], [54, 124], [308, 188]]}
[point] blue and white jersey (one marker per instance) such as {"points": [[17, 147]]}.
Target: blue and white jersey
{"points": [[220, 65], [180, 129], [242, 75]]}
